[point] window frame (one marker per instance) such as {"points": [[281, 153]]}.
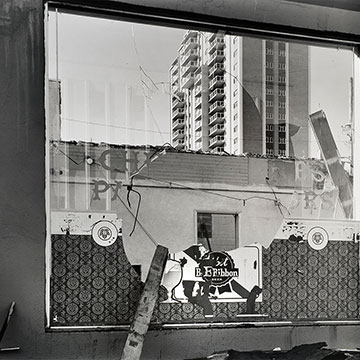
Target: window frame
{"points": [[164, 17], [218, 212]]}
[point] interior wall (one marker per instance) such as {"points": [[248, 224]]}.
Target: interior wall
{"points": [[22, 205]]}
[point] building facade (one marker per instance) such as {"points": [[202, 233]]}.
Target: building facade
{"points": [[238, 94], [23, 204]]}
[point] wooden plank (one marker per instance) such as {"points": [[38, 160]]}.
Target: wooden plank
{"points": [[5, 325], [7, 320], [139, 327], [332, 159]]}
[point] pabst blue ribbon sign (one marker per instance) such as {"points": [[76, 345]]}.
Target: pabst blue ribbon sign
{"points": [[217, 267], [200, 276]]}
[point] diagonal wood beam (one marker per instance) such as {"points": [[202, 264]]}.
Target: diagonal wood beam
{"points": [[139, 327]]}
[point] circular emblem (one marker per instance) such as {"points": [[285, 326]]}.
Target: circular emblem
{"points": [[317, 238], [217, 267], [104, 233]]}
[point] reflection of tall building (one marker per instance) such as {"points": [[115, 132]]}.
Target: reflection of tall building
{"points": [[239, 94]]}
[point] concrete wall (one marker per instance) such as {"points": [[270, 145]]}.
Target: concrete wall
{"points": [[22, 195]]}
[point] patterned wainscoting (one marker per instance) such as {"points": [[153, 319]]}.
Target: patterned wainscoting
{"points": [[303, 283], [91, 284], [94, 285]]}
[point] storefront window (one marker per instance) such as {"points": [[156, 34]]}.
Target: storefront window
{"points": [[252, 194]]}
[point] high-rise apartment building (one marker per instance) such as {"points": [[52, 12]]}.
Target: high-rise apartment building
{"points": [[240, 94]]}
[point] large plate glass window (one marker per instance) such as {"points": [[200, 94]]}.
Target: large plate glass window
{"points": [[147, 124]]}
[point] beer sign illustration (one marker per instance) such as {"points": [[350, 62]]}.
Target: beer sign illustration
{"points": [[200, 276], [218, 268]]}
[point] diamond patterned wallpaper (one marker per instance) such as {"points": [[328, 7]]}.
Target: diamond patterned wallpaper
{"points": [[94, 285], [91, 284]]}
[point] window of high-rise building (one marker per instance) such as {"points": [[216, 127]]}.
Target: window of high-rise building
{"points": [[282, 53], [269, 51], [282, 105], [235, 105], [269, 64], [269, 103], [269, 91], [282, 66], [269, 78], [282, 79]]}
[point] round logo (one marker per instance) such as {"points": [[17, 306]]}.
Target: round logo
{"points": [[318, 238], [104, 233]]}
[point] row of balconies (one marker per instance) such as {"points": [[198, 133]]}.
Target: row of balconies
{"points": [[218, 149], [215, 134], [189, 78], [191, 54], [217, 81], [217, 141], [214, 130], [174, 68], [216, 118], [190, 34], [175, 88], [198, 90], [216, 106], [174, 80], [217, 129], [198, 125], [198, 134], [178, 103], [178, 124], [198, 78], [198, 113], [178, 134], [217, 56], [217, 44], [180, 112], [190, 43], [217, 94], [216, 69], [188, 81], [191, 67], [179, 143], [198, 102]]}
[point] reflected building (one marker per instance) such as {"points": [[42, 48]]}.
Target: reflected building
{"points": [[237, 94]]}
